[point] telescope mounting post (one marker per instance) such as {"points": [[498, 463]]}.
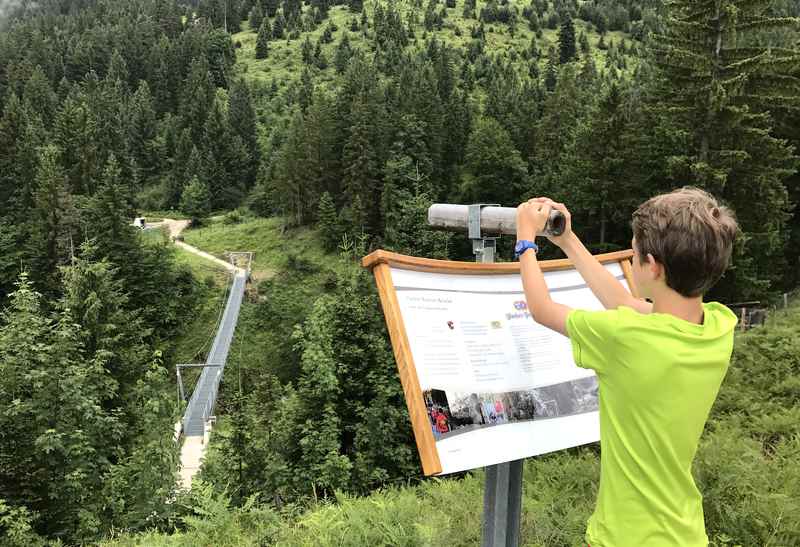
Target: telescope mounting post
{"points": [[502, 490], [483, 246]]}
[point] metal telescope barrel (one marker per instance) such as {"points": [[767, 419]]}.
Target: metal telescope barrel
{"points": [[494, 220]]}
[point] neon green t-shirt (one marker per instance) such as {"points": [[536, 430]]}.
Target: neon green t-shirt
{"points": [[658, 377]]}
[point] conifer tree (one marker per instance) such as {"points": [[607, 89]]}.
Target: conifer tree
{"points": [[551, 70], [362, 165], [113, 237], [724, 91], [225, 159], [141, 132], [566, 41], [196, 200], [256, 16], [279, 26], [197, 97], [343, 53], [270, 7], [328, 222], [78, 136], [12, 126], [307, 52], [242, 119], [496, 171], [583, 40], [111, 331], [262, 40], [54, 221]]}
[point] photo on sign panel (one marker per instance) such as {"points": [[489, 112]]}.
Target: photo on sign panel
{"points": [[459, 412]]}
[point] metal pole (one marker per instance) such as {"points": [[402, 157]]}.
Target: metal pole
{"points": [[502, 493]]}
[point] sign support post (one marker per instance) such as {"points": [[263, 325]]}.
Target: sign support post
{"points": [[502, 491]]}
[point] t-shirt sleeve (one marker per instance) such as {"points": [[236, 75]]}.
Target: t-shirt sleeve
{"points": [[592, 336]]}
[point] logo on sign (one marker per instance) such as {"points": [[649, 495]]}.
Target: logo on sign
{"points": [[520, 305]]}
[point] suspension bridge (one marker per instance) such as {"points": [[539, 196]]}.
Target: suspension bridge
{"points": [[195, 426]]}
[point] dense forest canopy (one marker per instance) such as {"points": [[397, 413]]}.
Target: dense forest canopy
{"points": [[352, 117]]}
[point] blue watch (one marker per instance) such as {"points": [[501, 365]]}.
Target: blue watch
{"points": [[522, 246]]}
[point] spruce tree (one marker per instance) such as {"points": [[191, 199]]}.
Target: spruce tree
{"points": [[270, 7], [54, 222], [262, 40], [256, 16], [343, 53], [279, 26], [242, 119], [496, 171], [726, 92], [551, 70], [307, 52], [328, 222], [196, 200], [566, 41]]}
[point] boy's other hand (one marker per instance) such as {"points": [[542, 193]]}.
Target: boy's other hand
{"points": [[532, 217], [567, 234]]}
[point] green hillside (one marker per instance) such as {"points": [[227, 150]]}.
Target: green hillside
{"points": [[284, 62]]}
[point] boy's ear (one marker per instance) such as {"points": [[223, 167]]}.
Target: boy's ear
{"points": [[655, 268]]}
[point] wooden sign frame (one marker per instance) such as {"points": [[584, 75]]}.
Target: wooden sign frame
{"points": [[381, 262]]}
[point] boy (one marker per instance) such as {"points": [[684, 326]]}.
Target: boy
{"points": [[659, 365]]}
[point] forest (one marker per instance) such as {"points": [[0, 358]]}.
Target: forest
{"points": [[315, 132]]}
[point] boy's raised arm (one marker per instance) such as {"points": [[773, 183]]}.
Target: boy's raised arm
{"points": [[603, 284], [531, 218]]}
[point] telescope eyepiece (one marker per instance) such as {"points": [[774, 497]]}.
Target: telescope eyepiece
{"points": [[556, 224]]}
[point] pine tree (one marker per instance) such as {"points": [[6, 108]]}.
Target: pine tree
{"points": [[328, 222], [256, 16], [551, 70], [196, 200], [343, 53], [307, 52], [496, 171], [113, 237], [566, 41], [242, 119], [583, 40], [262, 40], [110, 330], [78, 136], [225, 159], [197, 97], [141, 133], [724, 93], [270, 7], [54, 223], [279, 26], [362, 178]]}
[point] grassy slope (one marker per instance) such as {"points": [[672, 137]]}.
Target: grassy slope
{"points": [[284, 62]]}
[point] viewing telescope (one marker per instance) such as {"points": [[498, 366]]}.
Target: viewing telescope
{"points": [[493, 220]]}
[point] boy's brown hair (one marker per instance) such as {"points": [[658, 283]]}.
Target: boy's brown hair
{"points": [[690, 234]]}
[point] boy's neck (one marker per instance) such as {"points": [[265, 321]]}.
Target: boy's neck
{"points": [[673, 303]]}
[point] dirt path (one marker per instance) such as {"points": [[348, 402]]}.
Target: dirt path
{"points": [[175, 228]]}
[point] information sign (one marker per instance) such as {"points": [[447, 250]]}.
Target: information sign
{"points": [[484, 383]]}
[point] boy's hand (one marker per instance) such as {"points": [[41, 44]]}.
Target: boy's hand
{"points": [[532, 217], [567, 234]]}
